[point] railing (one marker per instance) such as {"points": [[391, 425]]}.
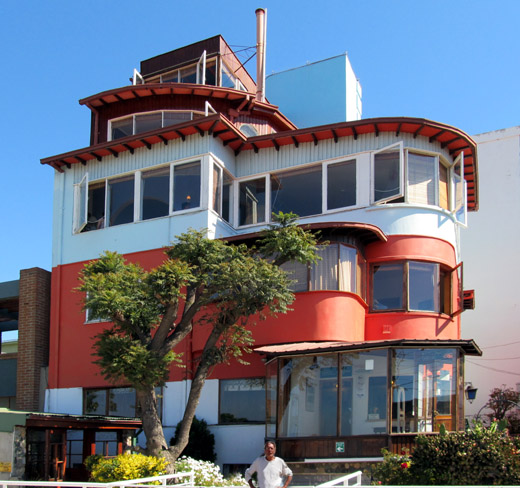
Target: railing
{"points": [[163, 481], [344, 480]]}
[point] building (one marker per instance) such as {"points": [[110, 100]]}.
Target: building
{"points": [[499, 166], [372, 352]]}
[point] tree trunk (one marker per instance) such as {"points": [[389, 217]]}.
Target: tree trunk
{"points": [[155, 442]]}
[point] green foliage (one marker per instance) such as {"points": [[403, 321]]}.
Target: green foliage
{"points": [[476, 457], [394, 470], [207, 473], [503, 403], [124, 467], [201, 444]]}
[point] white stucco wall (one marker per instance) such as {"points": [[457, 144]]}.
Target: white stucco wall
{"points": [[64, 400], [6, 454], [491, 266], [238, 444]]}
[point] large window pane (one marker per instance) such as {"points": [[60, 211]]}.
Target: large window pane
{"points": [[271, 398], [242, 400], [96, 206], [421, 178], [147, 122], [423, 286], [252, 202], [95, 402], [121, 402], [121, 207], [155, 193], [443, 187], [216, 200], [363, 392], [172, 118], [347, 275], [387, 286], [341, 185], [309, 396], [122, 128], [186, 186], [227, 197], [324, 273], [424, 390], [287, 190], [387, 175]]}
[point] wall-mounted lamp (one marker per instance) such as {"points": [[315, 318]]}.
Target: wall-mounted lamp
{"points": [[471, 393]]}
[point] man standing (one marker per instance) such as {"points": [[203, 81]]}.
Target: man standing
{"points": [[269, 469]]}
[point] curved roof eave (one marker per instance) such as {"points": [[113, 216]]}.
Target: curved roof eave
{"points": [[454, 140]]}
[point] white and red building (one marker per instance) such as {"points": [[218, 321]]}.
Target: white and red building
{"points": [[372, 352]]}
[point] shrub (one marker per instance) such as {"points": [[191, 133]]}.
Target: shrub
{"points": [[394, 470], [201, 442], [476, 457], [207, 473], [125, 467]]}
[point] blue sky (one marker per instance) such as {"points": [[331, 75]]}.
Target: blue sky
{"points": [[456, 62]]}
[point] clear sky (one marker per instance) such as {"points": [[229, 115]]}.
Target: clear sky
{"points": [[456, 62]]}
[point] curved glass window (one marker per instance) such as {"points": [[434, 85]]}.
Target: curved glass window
{"points": [[340, 268], [139, 123]]}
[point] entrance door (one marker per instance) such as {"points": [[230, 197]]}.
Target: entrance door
{"points": [[56, 454]]}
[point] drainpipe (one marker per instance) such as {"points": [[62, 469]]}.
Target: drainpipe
{"points": [[261, 25]]}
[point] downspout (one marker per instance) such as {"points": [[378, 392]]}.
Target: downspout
{"points": [[261, 26]]}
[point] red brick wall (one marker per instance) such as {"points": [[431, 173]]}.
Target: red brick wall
{"points": [[33, 336]]}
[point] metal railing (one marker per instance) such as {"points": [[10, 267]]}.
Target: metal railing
{"points": [[344, 480], [163, 481]]}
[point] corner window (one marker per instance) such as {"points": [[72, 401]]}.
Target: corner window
{"points": [[412, 285], [121, 200], [341, 185], [242, 401], [288, 188]]}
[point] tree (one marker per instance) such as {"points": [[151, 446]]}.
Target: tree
{"points": [[203, 281], [503, 403]]}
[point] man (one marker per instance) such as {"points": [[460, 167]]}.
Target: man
{"points": [[270, 470]]}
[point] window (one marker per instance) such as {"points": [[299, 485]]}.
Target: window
{"points": [[297, 191], [186, 186], [412, 285], [341, 268], [388, 174], [155, 193], [341, 185], [139, 123], [115, 402], [252, 207], [242, 401], [424, 390], [152, 200], [221, 195], [429, 180]]}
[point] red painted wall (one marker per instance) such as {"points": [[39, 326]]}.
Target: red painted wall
{"points": [[317, 316]]}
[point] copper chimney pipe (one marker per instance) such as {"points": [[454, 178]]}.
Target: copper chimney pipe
{"points": [[261, 20]]}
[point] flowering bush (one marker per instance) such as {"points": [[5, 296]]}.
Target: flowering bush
{"points": [[207, 473], [476, 457], [124, 467]]}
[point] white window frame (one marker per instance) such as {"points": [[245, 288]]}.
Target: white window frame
{"points": [[325, 183], [80, 205], [407, 151], [201, 188], [267, 212], [458, 181], [201, 69], [137, 78], [402, 182]]}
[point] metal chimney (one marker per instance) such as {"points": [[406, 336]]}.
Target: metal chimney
{"points": [[261, 21]]}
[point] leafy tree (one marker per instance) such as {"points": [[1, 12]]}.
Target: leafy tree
{"points": [[503, 403], [204, 281]]}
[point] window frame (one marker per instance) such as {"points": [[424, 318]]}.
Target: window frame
{"points": [[248, 422], [402, 182], [267, 202], [80, 218], [325, 183], [443, 292]]}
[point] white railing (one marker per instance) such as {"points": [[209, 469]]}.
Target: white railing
{"points": [[163, 481], [344, 480]]}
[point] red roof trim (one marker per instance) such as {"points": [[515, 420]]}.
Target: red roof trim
{"points": [[450, 138]]}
